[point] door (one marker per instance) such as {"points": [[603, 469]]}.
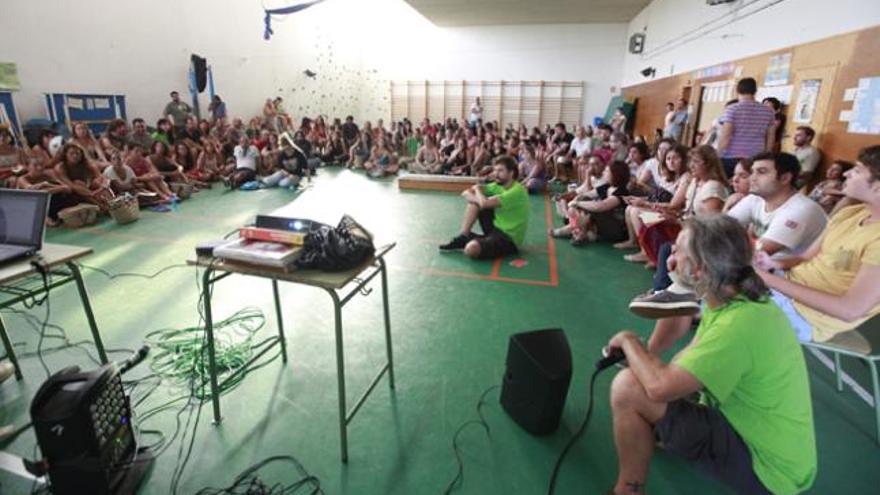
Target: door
{"points": [[713, 97], [810, 102]]}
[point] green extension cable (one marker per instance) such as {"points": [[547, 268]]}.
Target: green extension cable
{"points": [[178, 353]]}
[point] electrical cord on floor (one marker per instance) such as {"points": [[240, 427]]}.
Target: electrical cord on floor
{"points": [[40, 266], [40, 326], [179, 352], [150, 276], [614, 357], [249, 483], [458, 479]]}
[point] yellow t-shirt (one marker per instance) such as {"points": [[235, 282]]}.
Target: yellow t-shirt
{"points": [[847, 245]]}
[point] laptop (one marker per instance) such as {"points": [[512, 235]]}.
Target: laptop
{"points": [[22, 223]]}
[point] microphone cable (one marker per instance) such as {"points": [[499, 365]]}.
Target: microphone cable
{"points": [[614, 357]]}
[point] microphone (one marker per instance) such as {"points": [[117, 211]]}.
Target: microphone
{"points": [[134, 360], [614, 356]]}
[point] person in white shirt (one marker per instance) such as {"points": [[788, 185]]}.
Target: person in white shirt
{"points": [[784, 222], [582, 143], [476, 113], [807, 154], [122, 178], [246, 156]]}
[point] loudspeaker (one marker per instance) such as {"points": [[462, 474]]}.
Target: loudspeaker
{"points": [[200, 68], [537, 378]]}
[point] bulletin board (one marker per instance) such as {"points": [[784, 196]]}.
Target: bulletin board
{"points": [[865, 117], [96, 110], [712, 99], [8, 114]]}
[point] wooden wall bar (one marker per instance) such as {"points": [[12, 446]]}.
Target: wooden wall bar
{"points": [[842, 59]]}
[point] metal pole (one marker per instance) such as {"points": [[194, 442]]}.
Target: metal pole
{"points": [[340, 375], [209, 330], [84, 297], [387, 321], [283, 340]]}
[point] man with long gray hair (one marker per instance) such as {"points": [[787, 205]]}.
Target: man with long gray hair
{"points": [[752, 428]]}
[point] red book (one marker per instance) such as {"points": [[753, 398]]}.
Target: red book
{"points": [[272, 235]]}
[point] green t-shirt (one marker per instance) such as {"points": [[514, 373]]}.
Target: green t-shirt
{"points": [[412, 146], [512, 217], [752, 369]]}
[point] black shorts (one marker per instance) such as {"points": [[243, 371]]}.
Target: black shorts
{"points": [[245, 174], [704, 438], [493, 243]]}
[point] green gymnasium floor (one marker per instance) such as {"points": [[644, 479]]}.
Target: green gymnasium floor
{"points": [[451, 319]]}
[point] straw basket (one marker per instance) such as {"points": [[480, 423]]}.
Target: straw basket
{"points": [[124, 209], [79, 215], [182, 190]]}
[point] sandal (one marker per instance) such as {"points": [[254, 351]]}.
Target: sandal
{"points": [[636, 258]]}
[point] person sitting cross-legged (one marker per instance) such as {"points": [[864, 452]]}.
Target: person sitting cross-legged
{"points": [[752, 428], [245, 168], [502, 208]]}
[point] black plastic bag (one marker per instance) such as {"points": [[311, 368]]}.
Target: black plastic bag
{"points": [[336, 249]]}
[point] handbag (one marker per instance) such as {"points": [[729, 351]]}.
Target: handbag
{"points": [[338, 248]]}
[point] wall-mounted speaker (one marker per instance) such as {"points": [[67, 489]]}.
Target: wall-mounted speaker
{"points": [[637, 43]]}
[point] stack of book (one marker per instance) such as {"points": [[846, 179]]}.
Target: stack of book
{"points": [[264, 247]]}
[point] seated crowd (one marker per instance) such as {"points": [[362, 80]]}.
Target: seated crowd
{"points": [[734, 240], [736, 244]]}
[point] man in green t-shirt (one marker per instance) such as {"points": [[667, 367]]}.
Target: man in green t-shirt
{"points": [[177, 111], [502, 208], [753, 427]]}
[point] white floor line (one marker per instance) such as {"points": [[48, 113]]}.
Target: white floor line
{"points": [[858, 389]]}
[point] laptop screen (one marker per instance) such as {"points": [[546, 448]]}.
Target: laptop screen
{"points": [[22, 217]]}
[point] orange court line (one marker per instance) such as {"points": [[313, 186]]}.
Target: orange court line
{"points": [[476, 276], [496, 268], [551, 243]]}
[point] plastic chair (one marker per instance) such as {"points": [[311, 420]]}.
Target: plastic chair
{"points": [[862, 343]]}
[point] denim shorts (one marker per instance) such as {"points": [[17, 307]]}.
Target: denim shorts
{"points": [[802, 328], [705, 439]]}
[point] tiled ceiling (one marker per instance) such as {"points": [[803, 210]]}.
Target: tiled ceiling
{"points": [[505, 12]]}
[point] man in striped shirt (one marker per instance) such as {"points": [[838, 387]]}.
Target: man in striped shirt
{"points": [[746, 127]]}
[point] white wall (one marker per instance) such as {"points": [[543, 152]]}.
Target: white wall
{"points": [[141, 48], [777, 24], [417, 50]]}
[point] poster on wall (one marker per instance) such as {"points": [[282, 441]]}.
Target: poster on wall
{"points": [[778, 70], [781, 93], [9, 77], [865, 117], [806, 102]]}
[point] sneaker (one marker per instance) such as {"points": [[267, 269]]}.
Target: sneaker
{"points": [[560, 233], [6, 371], [456, 244], [664, 304]]}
